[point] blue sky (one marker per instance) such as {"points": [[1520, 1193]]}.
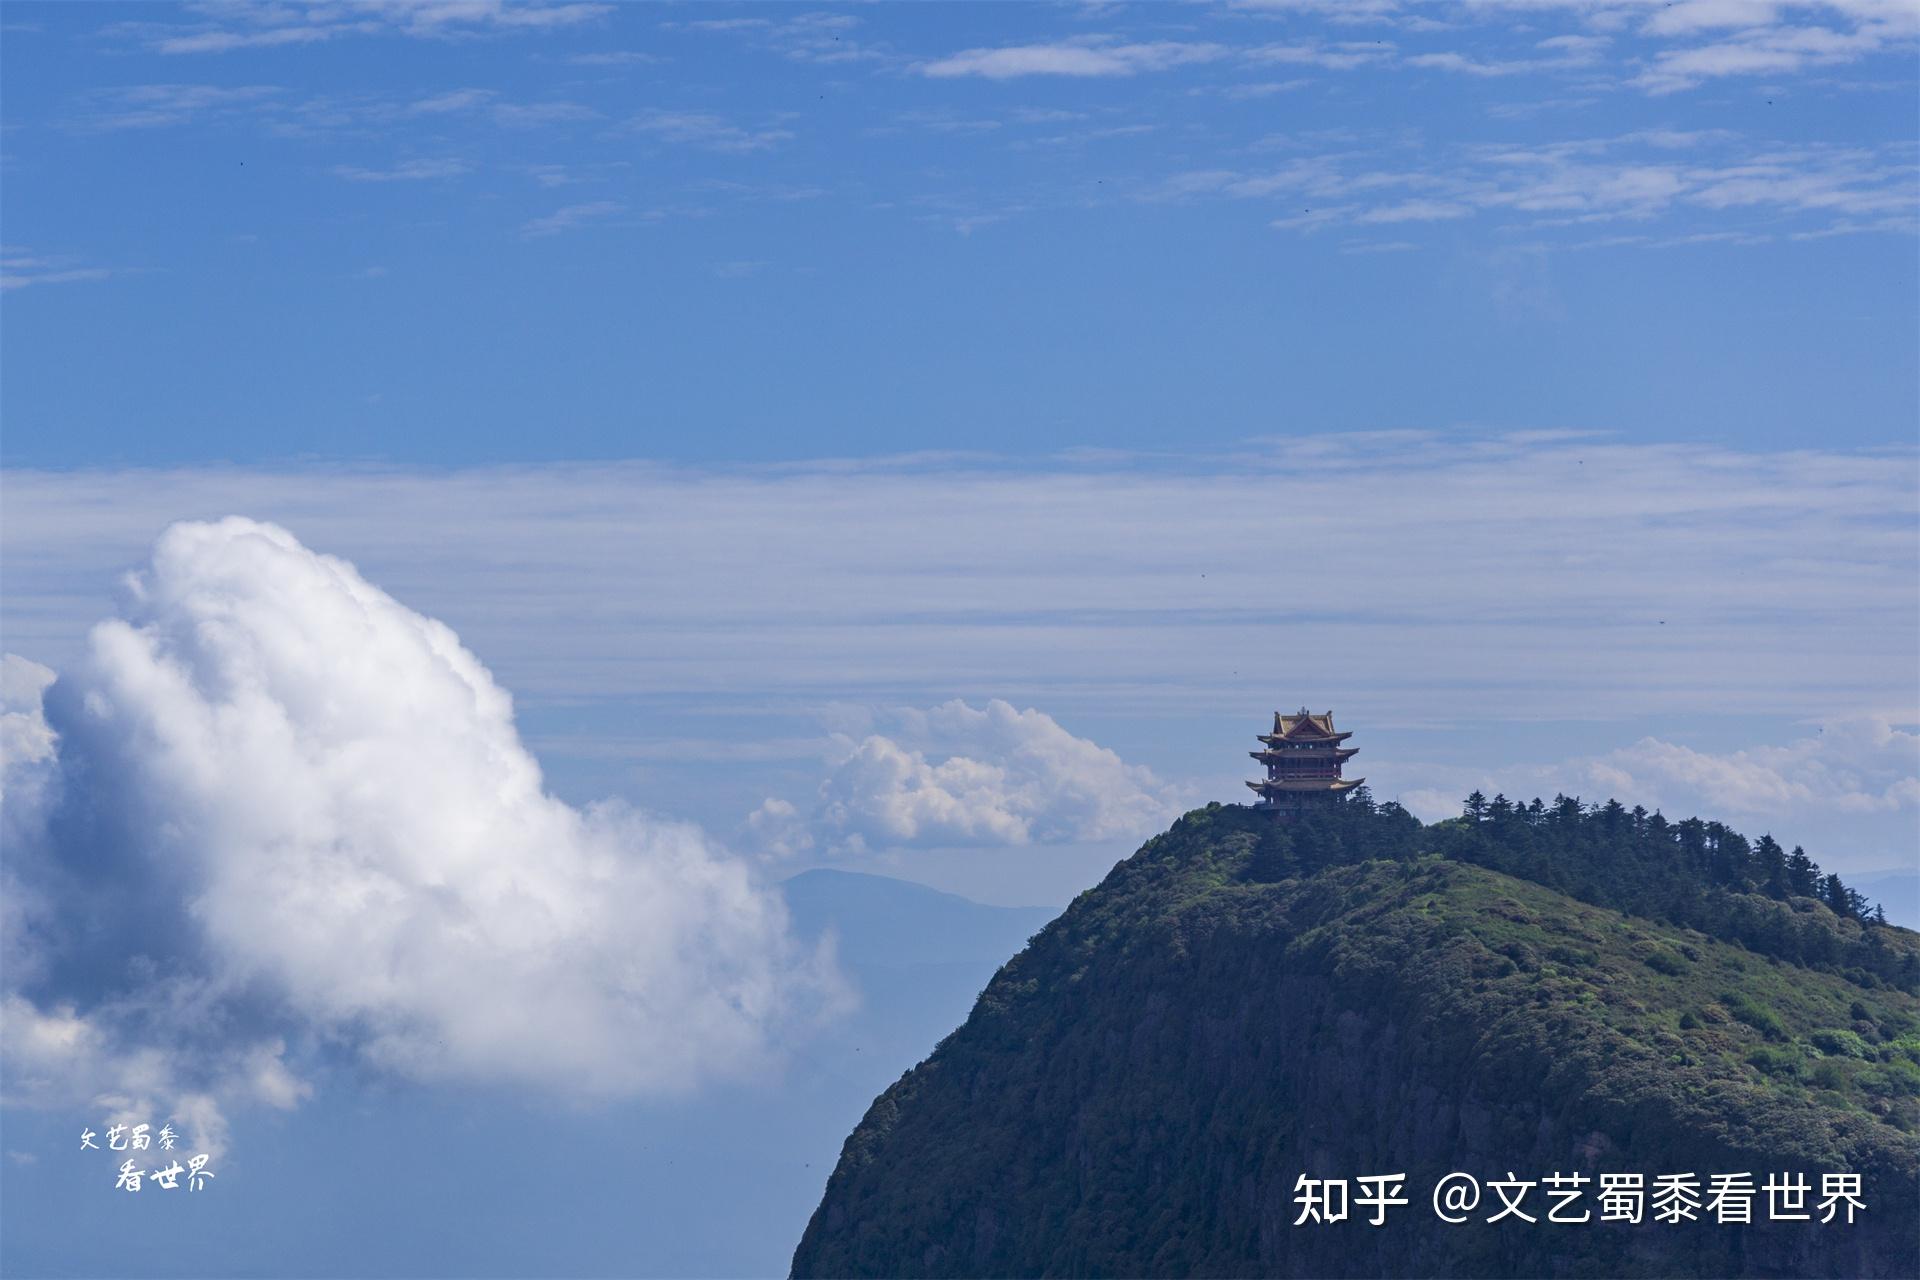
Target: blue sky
{"points": [[925, 440], [716, 233]]}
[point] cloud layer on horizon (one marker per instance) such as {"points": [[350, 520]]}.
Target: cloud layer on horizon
{"points": [[1407, 575], [278, 807]]}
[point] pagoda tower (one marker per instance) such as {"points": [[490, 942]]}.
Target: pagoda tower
{"points": [[1303, 756]]}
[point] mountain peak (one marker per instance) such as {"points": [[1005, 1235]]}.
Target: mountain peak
{"points": [[1242, 1003]]}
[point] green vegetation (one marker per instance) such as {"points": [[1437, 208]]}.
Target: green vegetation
{"points": [[1701, 874], [1244, 1001]]}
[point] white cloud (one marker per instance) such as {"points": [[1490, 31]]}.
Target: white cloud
{"points": [[956, 775], [454, 100], [21, 268], [815, 36], [29, 786], [24, 268], [1083, 57], [1414, 211], [569, 217], [1557, 53], [1742, 37], [59, 1058], [1856, 765], [310, 804], [229, 26], [1648, 174], [1657, 45], [1676, 45], [1343, 56], [1766, 47], [25, 738], [706, 130], [777, 828], [1687, 17], [509, 114], [529, 115], [406, 171], [215, 40], [1262, 89], [1850, 765], [1357, 11], [153, 106], [616, 58]]}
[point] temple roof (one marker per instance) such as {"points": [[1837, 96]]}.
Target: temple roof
{"points": [[1304, 725]]}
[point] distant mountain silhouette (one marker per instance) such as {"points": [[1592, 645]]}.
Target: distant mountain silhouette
{"points": [[892, 923]]}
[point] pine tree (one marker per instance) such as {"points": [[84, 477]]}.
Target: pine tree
{"points": [[1613, 816], [1803, 875], [1836, 895], [1770, 866]]}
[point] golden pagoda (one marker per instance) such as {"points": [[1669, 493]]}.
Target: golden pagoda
{"points": [[1303, 756]]}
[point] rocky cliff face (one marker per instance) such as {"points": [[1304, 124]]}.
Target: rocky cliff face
{"points": [[1138, 1091]]}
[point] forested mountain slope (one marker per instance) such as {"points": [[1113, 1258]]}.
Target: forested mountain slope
{"points": [[1241, 1003]]}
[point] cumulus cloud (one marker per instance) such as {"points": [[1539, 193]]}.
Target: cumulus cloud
{"points": [[59, 1057], [1858, 765], [25, 739], [28, 787], [293, 808], [1849, 765], [959, 775]]}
